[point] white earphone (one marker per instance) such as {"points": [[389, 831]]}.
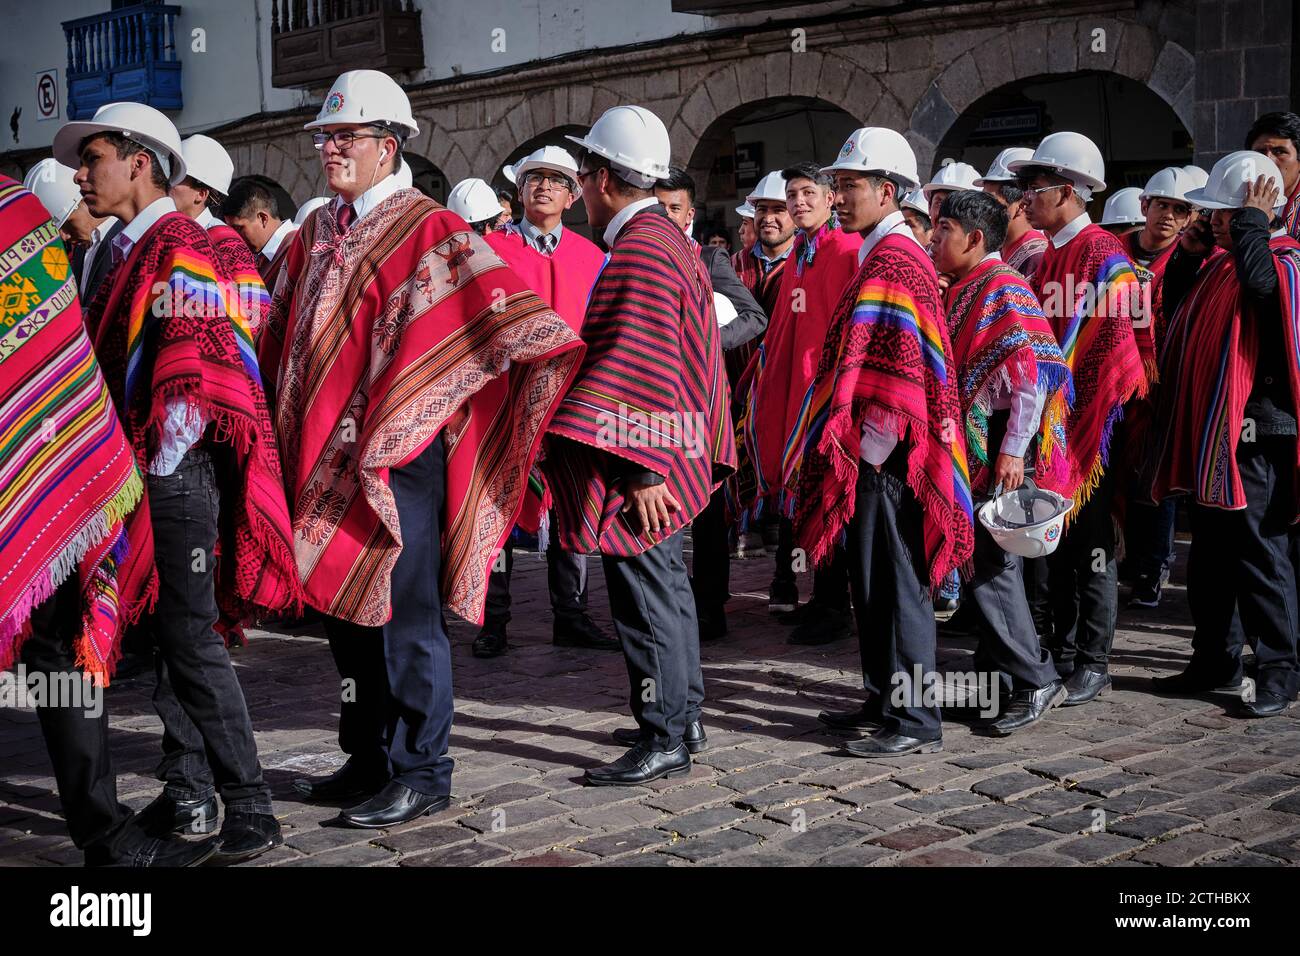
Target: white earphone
{"points": [[383, 155]]}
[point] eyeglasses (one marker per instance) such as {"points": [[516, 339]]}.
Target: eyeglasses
{"points": [[343, 138], [1042, 189], [539, 179], [583, 174]]}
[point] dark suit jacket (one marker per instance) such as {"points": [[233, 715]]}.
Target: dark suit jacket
{"points": [[750, 321], [99, 268]]}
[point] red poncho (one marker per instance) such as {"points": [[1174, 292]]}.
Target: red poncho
{"points": [[235, 264], [1026, 253], [780, 381], [390, 334], [1149, 330], [67, 474], [887, 356], [1208, 369], [650, 396], [164, 326]]}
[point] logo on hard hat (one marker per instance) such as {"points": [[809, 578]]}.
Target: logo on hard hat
{"points": [[334, 102], [1050, 534], [848, 148]]}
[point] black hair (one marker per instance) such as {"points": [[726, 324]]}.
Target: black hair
{"points": [[125, 147], [594, 161], [718, 231], [385, 130], [1027, 174], [215, 199], [809, 171], [973, 210], [923, 216], [677, 180], [1283, 125], [484, 226], [1011, 192], [247, 198]]}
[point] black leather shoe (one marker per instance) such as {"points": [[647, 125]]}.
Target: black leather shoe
{"points": [[394, 805], [641, 765], [695, 739], [1265, 704], [582, 631], [491, 641], [1085, 684], [866, 717], [168, 851], [712, 625], [245, 835], [347, 782], [1026, 707], [882, 743], [822, 626], [166, 815], [1196, 680]]}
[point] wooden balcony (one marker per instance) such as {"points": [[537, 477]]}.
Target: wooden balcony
{"points": [[126, 54], [313, 41]]}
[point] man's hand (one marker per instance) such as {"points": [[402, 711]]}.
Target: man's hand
{"points": [[1198, 238], [652, 504], [1009, 471], [1262, 194]]}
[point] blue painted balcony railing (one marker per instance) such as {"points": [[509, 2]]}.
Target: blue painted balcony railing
{"points": [[127, 54]]}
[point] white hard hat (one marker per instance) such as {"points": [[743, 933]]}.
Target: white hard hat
{"points": [[1123, 208], [1198, 176], [1027, 521], [635, 142], [952, 177], [309, 207], [915, 200], [548, 157], [509, 173], [51, 182], [726, 312], [874, 149], [770, 187], [1169, 183], [1226, 187], [746, 211], [474, 200], [143, 124], [405, 178], [1073, 156], [1000, 171], [207, 161], [366, 96]]}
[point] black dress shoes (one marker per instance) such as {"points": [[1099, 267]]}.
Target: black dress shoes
{"points": [[1197, 680], [882, 743], [1265, 704], [1026, 707], [1085, 684], [694, 738], [641, 765], [166, 815], [582, 631], [245, 835], [712, 625], [822, 625], [394, 805], [866, 717], [347, 782], [163, 852], [491, 641]]}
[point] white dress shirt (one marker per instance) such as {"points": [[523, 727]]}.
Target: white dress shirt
{"points": [[879, 438], [183, 423], [1070, 230], [534, 236], [623, 215], [95, 248], [272, 245], [206, 219], [369, 199]]}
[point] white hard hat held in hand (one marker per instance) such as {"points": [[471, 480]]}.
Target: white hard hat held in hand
{"points": [[142, 124], [635, 142], [366, 96], [874, 149], [1028, 521], [51, 182], [1232, 176]]}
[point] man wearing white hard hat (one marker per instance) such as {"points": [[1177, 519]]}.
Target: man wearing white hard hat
{"points": [[1013, 387], [416, 374], [476, 202], [644, 437], [1277, 136], [1122, 212], [950, 177], [83, 232], [250, 209], [821, 263], [1167, 212], [883, 465], [916, 213], [177, 355], [745, 231], [208, 172], [1024, 245], [761, 265], [1226, 430], [1090, 295], [560, 266]]}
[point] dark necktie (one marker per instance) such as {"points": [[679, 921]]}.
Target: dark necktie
{"points": [[549, 242], [346, 216]]}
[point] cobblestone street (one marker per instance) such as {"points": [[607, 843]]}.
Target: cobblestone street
{"points": [[1178, 781]]}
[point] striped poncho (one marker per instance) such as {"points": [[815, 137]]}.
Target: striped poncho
{"points": [[1001, 338], [166, 325], [390, 334], [650, 396], [1207, 371], [887, 357], [1089, 293], [236, 264], [67, 475]]}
